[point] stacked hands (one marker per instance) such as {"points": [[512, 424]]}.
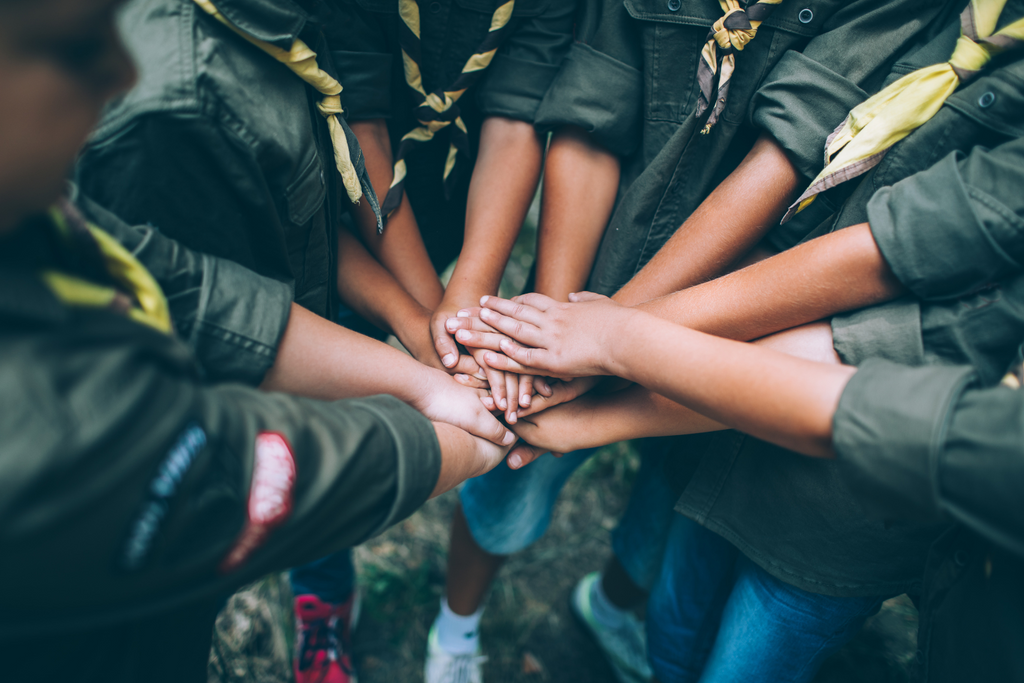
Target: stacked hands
{"points": [[525, 356]]}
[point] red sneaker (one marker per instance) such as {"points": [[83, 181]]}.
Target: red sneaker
{"points": [[323, 639]]}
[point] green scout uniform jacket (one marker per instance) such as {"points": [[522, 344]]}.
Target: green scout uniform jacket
{"points": [[221, 147], [631, 80], [946, 209], [369, 58], [136, 493], [934, 442]]}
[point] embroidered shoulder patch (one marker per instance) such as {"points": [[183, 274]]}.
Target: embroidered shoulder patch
{"points": [[162, 488], [270, 497]]}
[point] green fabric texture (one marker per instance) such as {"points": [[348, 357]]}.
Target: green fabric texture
{"points": [[221, 147], [95, 405], [805, 521], [930, 442], [669, 167]]}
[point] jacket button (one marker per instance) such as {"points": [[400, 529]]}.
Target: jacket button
{"points": [[674, 5], [435, 7], [960, 557], [986, 100], [805, 16]]}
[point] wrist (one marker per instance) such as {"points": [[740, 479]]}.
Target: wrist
{"points": [[622, 331]]}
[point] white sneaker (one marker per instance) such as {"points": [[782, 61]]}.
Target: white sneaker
{"points": [[442, 667], [625, 647]]}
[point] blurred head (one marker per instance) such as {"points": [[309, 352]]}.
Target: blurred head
{"points": [[60, 61]]}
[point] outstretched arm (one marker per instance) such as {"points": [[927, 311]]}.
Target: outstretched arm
{"points": [[504, 180], [319, 359], [717, 380], [400, 247], [733, 218], [580, 182]]}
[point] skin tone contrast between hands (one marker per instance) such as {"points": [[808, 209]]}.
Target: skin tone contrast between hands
{"points": [[60, 62]]}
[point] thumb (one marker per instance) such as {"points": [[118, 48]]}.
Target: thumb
{"points": [[523, 454]]}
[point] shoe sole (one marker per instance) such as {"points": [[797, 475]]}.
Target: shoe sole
{"points": [[583, 624]]}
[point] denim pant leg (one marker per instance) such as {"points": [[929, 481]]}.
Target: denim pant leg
{"points": [[640, 537], [507, 510], [686, 603], [330, 578], [772, 631]]}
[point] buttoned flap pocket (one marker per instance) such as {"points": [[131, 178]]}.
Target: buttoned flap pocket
{"points": [[307, 192], [802, 17], [995, 101], [522, 8]]}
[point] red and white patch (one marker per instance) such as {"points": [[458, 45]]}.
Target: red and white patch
{"points": [[270, 497]]}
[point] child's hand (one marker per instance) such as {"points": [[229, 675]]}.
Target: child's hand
{"points": [[553, 338], [558, 430], [463, 456], [560, 392], [473, 333], [442, 399], [504, 387], [415, 337]]}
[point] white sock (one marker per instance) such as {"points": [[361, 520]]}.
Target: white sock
{"points": [[456, 634], [606, 614]]}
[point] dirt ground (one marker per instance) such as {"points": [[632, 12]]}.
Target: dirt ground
{"points": [[527, 632]]}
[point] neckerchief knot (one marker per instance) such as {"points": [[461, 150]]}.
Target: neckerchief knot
{"points": [[733, 32], [874, 126], [438, 110]]}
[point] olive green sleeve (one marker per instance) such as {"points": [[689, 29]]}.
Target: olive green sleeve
{"points": [[599, 86], [956, 227], [809, 93], [526, 63], [929, 442], [140, 488], [231, 317]]}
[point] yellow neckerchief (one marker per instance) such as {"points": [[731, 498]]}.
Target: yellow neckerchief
{"points": [[301, 59], [881, 121], [729, 34], [149, 306], [438, 110]]}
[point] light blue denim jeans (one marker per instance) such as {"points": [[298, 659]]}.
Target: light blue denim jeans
{"points": [[507, 510], [715, 616]]}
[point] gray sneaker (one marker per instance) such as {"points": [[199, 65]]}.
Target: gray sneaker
{"points": [[625, 647]]}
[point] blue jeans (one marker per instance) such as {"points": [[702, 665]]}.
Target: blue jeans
{"points": [[507, 510], [330, 578], [715, 616]]}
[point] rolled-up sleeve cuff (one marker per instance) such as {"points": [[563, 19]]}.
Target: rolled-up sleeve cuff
{"points": [[935, 232], [600, 95], [889, 427], [233, 341], [800, 103], [514, 88], [366, 84], [417, 455]]}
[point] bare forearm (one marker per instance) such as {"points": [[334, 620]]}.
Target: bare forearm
{"points": [[733, 218], [504, 180], [319, 359], [371, 291], [580, 182], [838, 272], [400, 248], [775, 396]]}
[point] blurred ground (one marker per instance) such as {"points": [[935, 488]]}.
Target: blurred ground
{"points": [[527, 619], [528, 633]]}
